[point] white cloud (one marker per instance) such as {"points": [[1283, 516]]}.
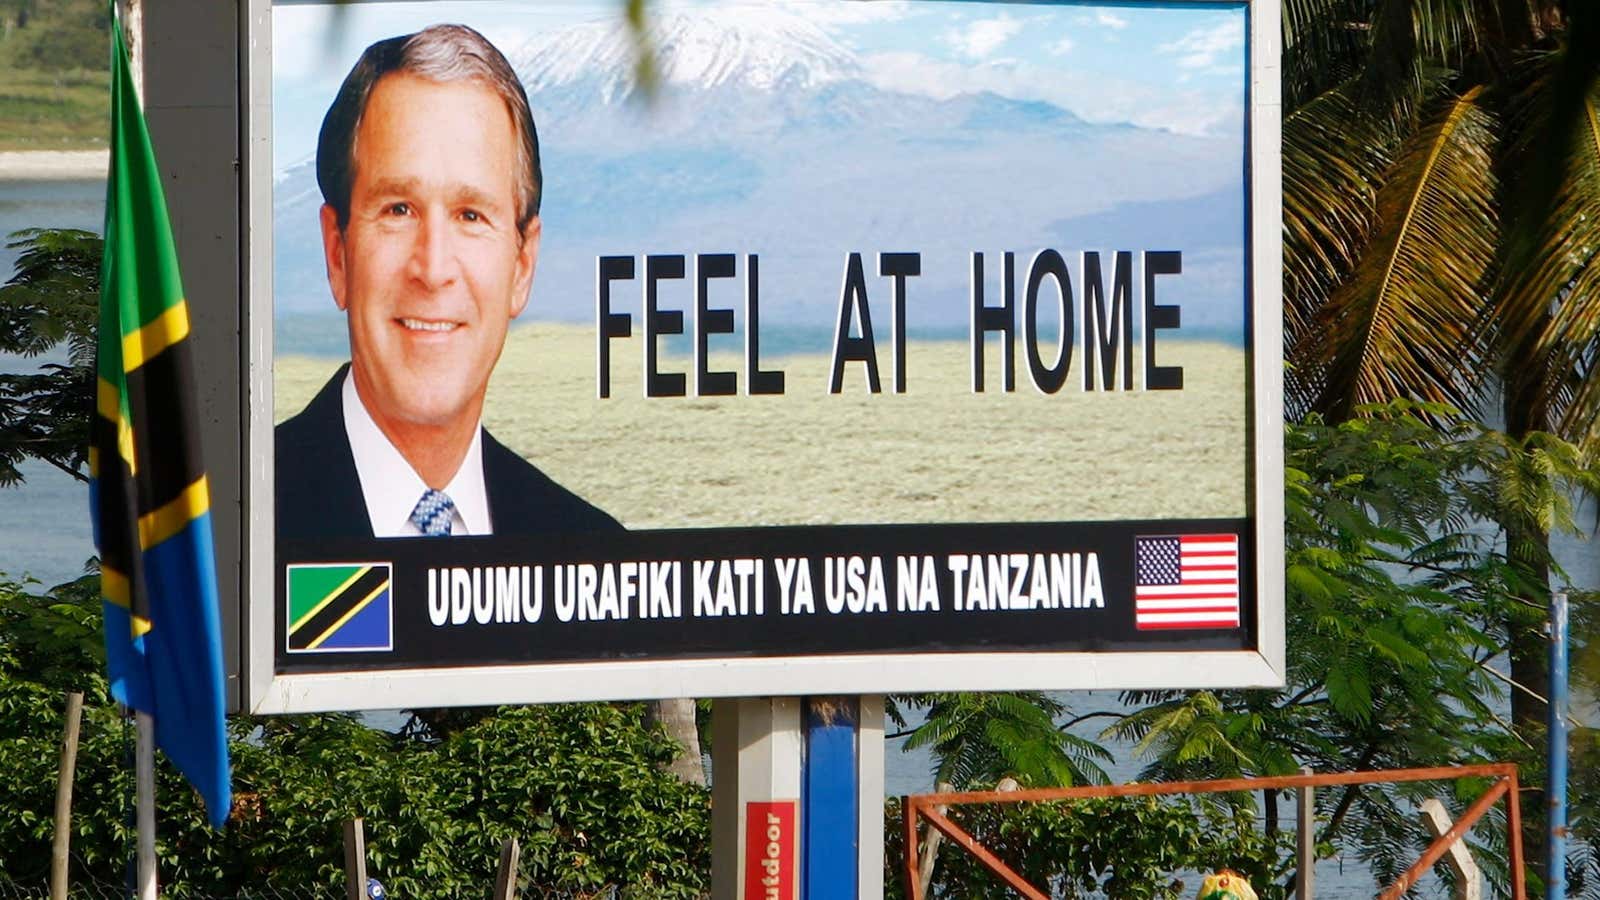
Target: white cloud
{"points": [[1200, 48], [1110, 20], [983, 37], [1062, 47], [1094, 97], [1194, 113], [853, 12]]}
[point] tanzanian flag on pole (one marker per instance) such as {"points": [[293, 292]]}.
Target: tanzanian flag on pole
{"points": [[147, 488]]}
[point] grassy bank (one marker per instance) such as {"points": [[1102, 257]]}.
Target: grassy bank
{"points": [[55, 84], [42, 110], [938, 453]]}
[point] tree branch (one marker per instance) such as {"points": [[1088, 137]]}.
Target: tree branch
{"points": [[1093, 715], [1297, 698], [1349, 797], [69, 470], [1571, 721]]}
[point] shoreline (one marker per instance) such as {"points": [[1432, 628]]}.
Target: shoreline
{"points": [[53, 165]]}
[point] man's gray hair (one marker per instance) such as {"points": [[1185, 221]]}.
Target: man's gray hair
{"points": [[441, 53]]}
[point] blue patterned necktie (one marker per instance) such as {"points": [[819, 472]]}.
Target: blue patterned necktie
{"points": [[433, 513]]}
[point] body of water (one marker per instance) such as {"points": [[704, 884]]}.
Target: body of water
{"points": [[44, 523]]}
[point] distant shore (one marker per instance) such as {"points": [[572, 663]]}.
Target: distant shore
{"points": [[52, 165]]}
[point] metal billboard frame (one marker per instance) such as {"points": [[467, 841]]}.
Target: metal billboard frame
{"points": [[266, 691]]}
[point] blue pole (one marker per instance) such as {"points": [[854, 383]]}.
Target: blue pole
{"points": [[1555, 873], [829, 790]]}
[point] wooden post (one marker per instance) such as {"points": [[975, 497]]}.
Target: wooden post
{"points": [[355, 860], [505, 878], [910, 811], [935, 837], [987, 859], [1305, 837], [1468, 885], [930, 844], [69, 763], [1441, 845]]}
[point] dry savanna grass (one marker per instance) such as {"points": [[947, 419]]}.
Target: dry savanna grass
{"points": [[937, 453]]}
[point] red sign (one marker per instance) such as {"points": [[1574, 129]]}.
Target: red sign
{"points": [[770, 859]]}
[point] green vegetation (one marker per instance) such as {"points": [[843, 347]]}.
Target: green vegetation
{"points": [[53, 111], [1441, 168], [1395, 582], [52, 298], [55, 89], [979, 739], [581, 786]]}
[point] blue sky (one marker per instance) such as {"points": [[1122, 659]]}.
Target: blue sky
{"points": [[1178, 67]]}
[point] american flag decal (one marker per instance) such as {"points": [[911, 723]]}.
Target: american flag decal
{"points": [[1186, 581]]}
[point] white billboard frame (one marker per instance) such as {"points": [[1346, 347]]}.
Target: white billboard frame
{"points": [[267, 692]]}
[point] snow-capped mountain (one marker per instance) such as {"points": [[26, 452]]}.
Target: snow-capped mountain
{"points": [[766, 49], [742, 73]]}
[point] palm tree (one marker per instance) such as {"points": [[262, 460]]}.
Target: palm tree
{"points": [[1441, 163]]}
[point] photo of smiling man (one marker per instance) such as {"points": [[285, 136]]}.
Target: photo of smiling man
{"points": [[428, 165]]}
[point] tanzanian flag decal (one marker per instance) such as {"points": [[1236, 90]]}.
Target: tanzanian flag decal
{"points": [[340, 607]]}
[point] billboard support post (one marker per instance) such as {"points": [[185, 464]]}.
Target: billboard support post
{"points": [[841, 812], [797, 798], [830, 798], [755, 790], [870, 785]]}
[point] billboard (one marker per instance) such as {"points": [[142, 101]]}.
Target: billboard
{"points": [[838, 347]]}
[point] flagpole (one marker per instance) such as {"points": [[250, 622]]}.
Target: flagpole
{"points": [[144, 768]]}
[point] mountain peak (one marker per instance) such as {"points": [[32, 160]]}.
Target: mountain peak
{"points": [[754, 47]]}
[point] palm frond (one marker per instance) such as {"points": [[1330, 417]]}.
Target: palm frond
{"points": [[1303, 18], [1402, 325], [1324, 44], [1334, 157], [1548, 326], [1391, 78], [1447, 30], [977, 739], [1513, 24]]}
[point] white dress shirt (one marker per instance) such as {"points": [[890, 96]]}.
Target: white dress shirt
{"points": [[392, 488]]}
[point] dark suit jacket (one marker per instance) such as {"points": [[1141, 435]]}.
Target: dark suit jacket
{"points": [[319, 493]]}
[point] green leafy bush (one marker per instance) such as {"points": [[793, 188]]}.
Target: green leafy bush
{"points": [[581, 786]]}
